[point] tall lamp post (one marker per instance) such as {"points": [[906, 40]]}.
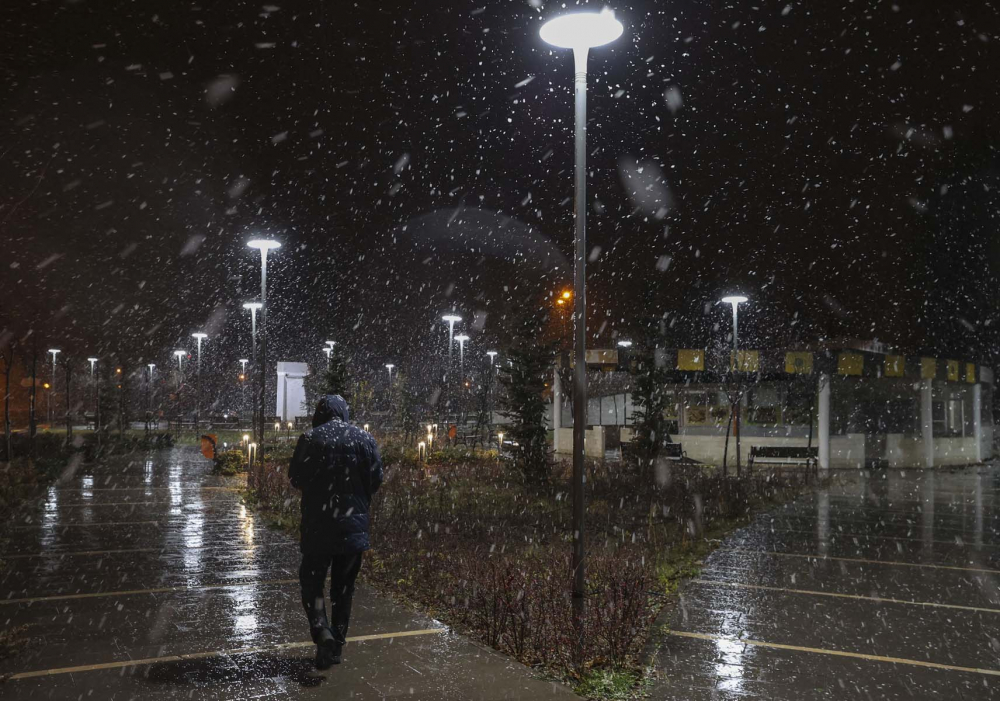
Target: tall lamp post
{"points": [[263, 245], [52, 390], [580, 31], [197, 404], [253, 307], [243, 397], [328, 350], [149, 393], [97, 403], [735, 301]]}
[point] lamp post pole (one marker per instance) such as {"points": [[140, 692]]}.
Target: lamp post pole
{"points": [[253, 307], [735, 301], [52, 385], [97, 403], [264, 245], [197, 405], [580, 32]]}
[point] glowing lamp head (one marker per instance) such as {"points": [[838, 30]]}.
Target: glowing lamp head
{"points": [[734, 299], [54, 351], [199, 336], [263, 244], [92, 360], [567, 294], [461, 338], [624, 344], [252, 306], [151, 366], [451, 318], [492, 354], [180, 353], [582, 30], [331, 343], [389, 366], [46, 385]]}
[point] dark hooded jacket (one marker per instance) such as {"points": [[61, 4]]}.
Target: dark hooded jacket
{"points": [[338, 469]]}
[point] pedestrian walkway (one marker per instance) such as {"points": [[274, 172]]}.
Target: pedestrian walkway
{"points": [[885, 586], [149, 579]]}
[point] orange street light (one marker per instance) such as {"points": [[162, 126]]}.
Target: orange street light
{"points": [[566, 294]]}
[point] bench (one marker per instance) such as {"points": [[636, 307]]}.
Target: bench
{"points": [[783, 455]]}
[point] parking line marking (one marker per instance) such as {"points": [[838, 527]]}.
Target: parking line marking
{"points": [[136, 489], [872, 536], [215, 653], [836, 653], [162, 551], [857, 597], [39, 524], [894, 563], [133, 592]]}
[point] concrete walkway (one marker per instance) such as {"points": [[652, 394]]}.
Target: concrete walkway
{"points": [[148, 579], [887, 587]]}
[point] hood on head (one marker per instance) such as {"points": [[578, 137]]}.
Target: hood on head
{"points": [[330, 407]]}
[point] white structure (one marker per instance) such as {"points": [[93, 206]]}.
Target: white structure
{"points": [[291, 401]]}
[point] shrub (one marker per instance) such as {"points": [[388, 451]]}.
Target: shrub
{"points": [[230, 462]]}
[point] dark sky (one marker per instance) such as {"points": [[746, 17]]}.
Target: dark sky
{"points": [[836, 161]]}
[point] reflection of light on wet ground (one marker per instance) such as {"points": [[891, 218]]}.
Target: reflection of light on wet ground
{"points": [[50, 518], [246, 527], [147, 472], [732, 654], [245, 604]]}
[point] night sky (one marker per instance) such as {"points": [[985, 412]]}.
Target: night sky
{"points": [[835, 161]]}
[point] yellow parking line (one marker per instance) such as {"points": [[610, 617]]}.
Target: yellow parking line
{"points": [[882, 537], [836, 653], [857, 597], [144, 489], [162, 551], [893, 563], [214, 653], [137, 503], [37, 524], [132, 592]]}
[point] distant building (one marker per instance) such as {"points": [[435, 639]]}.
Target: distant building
{"points": [[858, 404], [291, 399]]}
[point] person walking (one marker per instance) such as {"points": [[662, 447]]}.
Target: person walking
{"points": [[338, 468]]}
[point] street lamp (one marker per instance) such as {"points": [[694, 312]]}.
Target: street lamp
{"points": [[389, 367], [54, 352], [327, 350], [263, 245], [461, 338], [243, 377], [580, 31], [452, 319], [736, 301], [493, 356], [149, 392], [331, 344], [180, 359], [197, 404], [97, 403], [624, 344]]}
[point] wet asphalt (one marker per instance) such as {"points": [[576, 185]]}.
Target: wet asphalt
{"points": [[148, 579], [883, 585]]}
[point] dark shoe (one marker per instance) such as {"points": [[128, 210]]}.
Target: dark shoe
{"points": [[327, 650]]}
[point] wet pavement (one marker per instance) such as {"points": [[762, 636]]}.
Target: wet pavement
{"points": [[149, 579], [884, 585]]}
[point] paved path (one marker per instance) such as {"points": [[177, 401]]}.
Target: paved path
{"points": [[884, 588], [149, 580]]}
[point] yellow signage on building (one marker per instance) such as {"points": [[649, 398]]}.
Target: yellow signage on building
{"points": [[744, 361], [952, 371], [928, 368], [894, 365], [690, 359], [799, 363], [970, 373], [850, 363]]}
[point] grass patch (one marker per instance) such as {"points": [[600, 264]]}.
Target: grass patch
{"points": [[609, 684]]}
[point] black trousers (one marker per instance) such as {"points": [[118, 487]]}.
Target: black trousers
{"points": [[312, 575]]}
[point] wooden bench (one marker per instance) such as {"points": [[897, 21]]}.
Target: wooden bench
{"points": [[783, 455]]}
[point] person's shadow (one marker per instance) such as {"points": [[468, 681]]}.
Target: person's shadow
{"points": [[234, 669]]}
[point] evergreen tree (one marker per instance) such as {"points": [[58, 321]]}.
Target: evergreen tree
{"points": [[334, 379], [523, 377]]}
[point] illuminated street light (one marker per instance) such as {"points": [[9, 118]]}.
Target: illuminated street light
{"points": [[624, 344], [461, 338], [580, 31], [180, 359], [54, 352], [197, 402], [327, 350], [736, 301], [452, 319], [389, 367], [493, 356], [263, 245]]}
